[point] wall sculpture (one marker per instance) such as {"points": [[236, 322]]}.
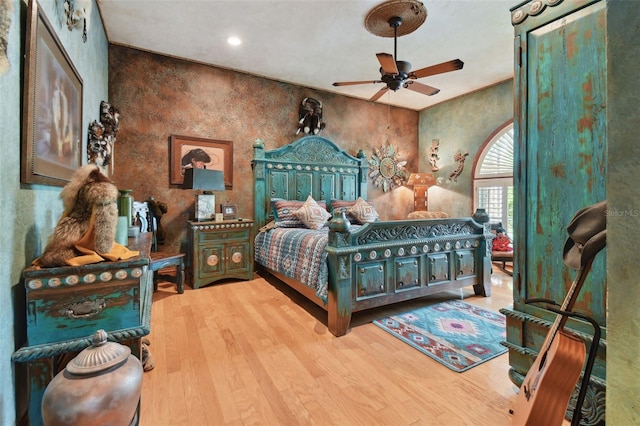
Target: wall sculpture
{"points": [[459, 158], [386, 169], [433, 155], [102, 137]]}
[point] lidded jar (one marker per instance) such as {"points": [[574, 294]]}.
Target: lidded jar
{"points": [[125, 205], [100, 386]]}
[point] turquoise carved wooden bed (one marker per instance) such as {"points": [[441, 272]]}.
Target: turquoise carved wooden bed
{"points": [[374, 264]]}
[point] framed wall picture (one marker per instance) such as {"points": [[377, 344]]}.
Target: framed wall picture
{"points": [[229, 211], [189, 152], [52, 113]]}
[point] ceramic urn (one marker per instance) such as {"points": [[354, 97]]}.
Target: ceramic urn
{"points": [[100, 386], [481, 216]]}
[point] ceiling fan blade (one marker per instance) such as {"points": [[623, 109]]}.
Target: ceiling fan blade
{"points": [[379, 94], [454, 65], [387, 63], [350, 83], [421, 88]]}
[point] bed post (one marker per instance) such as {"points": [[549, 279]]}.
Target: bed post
{"points": [[259, 185], [362, 174], [339, 301], [340, 287]]}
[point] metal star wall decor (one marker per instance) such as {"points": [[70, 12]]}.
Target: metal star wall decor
{"points": [[386, 169]]}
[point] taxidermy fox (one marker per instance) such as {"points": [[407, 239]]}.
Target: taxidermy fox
{"points": [[89, 199]]}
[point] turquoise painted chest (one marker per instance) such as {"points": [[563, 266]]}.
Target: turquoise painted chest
{"points": [[74, 302]]}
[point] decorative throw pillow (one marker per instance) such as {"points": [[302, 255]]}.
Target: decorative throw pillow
{"points": [[341, 204], [313, 215], [363, 212], [337, 205], [283, 212]]}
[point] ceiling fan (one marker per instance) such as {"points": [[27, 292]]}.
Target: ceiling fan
{"points": [[396, 74]]}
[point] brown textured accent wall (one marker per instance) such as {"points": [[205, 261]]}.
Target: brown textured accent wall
{"points": [[158, 96]]}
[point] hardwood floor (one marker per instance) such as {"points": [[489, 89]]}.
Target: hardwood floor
{"points": [[257, 353]]}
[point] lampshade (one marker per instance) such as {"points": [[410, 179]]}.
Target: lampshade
{"points": [[204, 179], [421, 179]]}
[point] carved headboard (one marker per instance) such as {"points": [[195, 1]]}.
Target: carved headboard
{"points": [[310, 165]]}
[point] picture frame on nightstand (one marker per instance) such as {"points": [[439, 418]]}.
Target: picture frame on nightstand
{"points": [[205, 207], [229, 211]]}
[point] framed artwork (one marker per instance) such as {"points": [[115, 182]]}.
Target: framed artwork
{"points": [[189, 152], [229, 211], [52, 112]]}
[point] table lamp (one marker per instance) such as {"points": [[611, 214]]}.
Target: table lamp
{"points": [[421, 183], [207, 181]]}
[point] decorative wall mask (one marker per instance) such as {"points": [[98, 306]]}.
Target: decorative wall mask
{"points": [[386, 169], [433, 155], [310, 117], [459, 158], [78, 13], [102, 137]]}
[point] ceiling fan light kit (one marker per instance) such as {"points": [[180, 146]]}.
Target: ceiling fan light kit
{"points": [[393, 19]]}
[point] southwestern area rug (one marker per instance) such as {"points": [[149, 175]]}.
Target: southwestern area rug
{"points": [[454, 333]]}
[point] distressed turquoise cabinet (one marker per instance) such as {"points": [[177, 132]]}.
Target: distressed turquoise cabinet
{"points": [[219, 250], [560, 130]]}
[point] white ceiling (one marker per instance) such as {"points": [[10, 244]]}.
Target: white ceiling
{"points": [[314, 43]]}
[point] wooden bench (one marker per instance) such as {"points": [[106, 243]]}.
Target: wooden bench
{"points": [[160, 260]]}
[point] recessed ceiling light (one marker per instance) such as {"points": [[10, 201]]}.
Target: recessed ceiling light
{"points": [[234, 41]]}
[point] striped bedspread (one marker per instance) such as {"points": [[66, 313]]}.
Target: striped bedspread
{"points": [[296, 253]]}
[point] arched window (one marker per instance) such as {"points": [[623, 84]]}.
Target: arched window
{"points": [[493, 177]]}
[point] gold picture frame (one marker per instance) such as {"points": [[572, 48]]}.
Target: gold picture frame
{"points": [[52, 114], [219, 154]]}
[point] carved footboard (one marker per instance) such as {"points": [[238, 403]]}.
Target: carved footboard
{"points": [[388, 262]]}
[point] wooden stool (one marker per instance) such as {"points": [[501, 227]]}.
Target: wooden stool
{"points": [[161, 260]]}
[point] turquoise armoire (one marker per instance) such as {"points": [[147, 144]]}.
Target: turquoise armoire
{"points": [[561, 156]]}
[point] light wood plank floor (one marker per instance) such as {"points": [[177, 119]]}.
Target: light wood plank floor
{"points": [[257, 353]]}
